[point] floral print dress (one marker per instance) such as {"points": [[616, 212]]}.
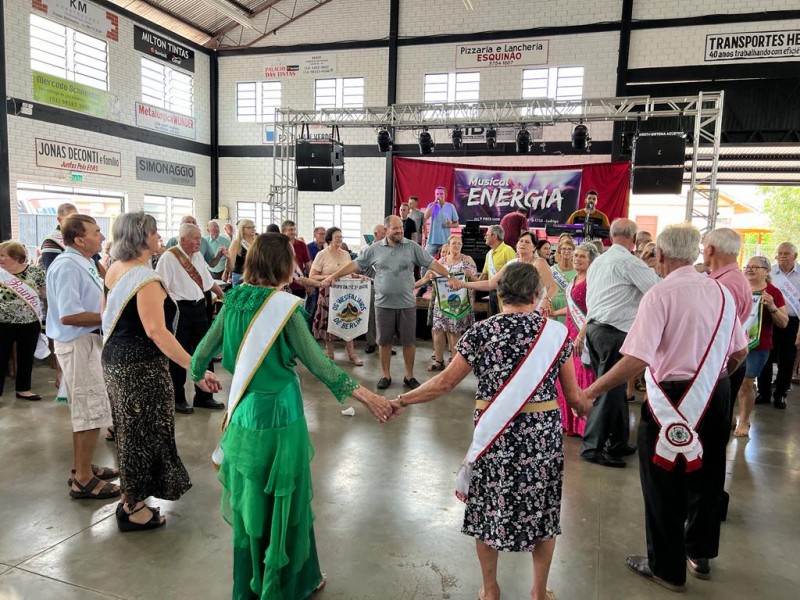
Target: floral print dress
{"points": [[515, 489]]}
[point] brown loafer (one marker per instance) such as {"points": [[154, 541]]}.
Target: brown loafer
{"points": [[641, 566]]}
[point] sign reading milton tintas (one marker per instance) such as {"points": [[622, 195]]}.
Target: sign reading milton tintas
{"points": [[162, 48], [153, 169]]}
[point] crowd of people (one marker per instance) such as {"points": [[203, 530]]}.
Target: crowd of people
{"points": [[567, 341]]}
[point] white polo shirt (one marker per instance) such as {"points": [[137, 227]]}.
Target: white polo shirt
{"points": [[178, 282]]}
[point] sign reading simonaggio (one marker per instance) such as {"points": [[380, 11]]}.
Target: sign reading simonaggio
{"points": [[162, 171], [164, 49]]}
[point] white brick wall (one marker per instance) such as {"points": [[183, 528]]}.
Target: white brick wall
{"points": [[657, 9]]}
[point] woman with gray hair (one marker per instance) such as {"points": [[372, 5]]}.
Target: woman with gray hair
{"points": [[138, 325], [511, 478]]}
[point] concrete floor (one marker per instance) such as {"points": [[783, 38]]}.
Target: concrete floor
{"points": [[388, 525]]}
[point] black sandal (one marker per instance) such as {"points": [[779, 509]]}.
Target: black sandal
{"points": [[125, 524], [436, 365], [111, 434], [104, 473], [86, 492]]}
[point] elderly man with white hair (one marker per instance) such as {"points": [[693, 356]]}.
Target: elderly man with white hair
{"points": [[218, 244], [189, 283], [687, 354], [212, 259], [786, 277], [615, 283]]}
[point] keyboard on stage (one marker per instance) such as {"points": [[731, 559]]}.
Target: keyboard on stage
{"points": [[577, 230]]}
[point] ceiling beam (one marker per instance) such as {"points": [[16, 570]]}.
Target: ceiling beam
{"points": [[275, 30]]}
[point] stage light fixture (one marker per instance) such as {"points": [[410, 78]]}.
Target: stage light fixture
{"points": [[491, 138], [580, 137], [457, 138], [384, 140], [523, 140], [426, 143]]}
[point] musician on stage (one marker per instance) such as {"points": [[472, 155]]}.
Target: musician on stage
{"points": [[597, 217]]}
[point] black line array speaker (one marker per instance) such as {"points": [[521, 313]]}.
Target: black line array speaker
{"points": [[319, 179], [319, 153], [657, 180], [659, 150]]}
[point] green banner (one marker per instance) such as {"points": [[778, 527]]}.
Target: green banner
{"points": [[453, 304], [49, 89]]}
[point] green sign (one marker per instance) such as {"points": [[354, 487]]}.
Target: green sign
{"points": [[68, 94], [453, 304], [77, 177]]}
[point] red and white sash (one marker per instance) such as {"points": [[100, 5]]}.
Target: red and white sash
{"points": [[579, 319], [31, 299], [512, 397], [678, 422]]}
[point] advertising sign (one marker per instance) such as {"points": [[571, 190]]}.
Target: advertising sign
{"points": [[488, 195], [755, 45], [502, 54], [165, 121], [77, 157], [316, 64], [349, 305], [84, 15], [157, 46], [49, 89], [153, 169]]}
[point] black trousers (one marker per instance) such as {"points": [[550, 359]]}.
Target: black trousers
{"points": [[26, 335], [192, 326], [494, 306], [783, 352], [681, 509], [608, 423]]}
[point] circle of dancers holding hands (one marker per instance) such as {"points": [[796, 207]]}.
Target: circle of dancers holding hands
{"points": [[569, 343]]}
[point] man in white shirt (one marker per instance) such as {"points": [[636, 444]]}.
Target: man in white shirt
{"points": [[615, 284], [185, 275]]}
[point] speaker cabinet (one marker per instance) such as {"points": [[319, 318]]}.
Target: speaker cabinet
{"points": [[659, 150], [319, 179], [319, 153], [657, 180]]}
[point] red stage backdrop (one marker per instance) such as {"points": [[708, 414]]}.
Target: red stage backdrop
{"points": [[488, 193]]}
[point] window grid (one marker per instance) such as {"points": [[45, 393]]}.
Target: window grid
{"points": [[166, 87], [260, 213], [342, 92], [440, 88], [168, 212], [557, 83], [257, 101], [345, 217], [63, 52]]}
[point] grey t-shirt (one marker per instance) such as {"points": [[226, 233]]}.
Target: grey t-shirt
{"points": [[419, 219], [394, 271]]}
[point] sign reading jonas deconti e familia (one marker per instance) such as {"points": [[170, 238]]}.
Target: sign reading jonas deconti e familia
{"points": [[502, 54], [77, 157], [49, 89], [153, 169], [165, 121], [755, 45]]}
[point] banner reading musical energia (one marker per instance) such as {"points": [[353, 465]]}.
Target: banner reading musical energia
{"points": [[348, 308], [488, 195]]}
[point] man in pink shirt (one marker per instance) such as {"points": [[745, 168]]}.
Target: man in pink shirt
{"points": [[674, 343]]}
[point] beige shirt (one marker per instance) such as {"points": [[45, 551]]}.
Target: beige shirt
{"points": [[327, 263], [178, 282]]}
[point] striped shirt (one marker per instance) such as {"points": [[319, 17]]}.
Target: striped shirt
{"points": [[615, 284]]}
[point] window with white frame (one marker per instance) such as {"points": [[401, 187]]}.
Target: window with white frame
{"points": [[256, 101], [167, 88], [168, 212], [63, 52], [260, 213], [462, 87], [341, 92], [556, 83], [345, 217]]}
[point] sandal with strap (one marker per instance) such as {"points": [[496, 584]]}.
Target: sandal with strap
{"points": [[87, 492], [125, 524], [436, 365], [111, 434], [104, 473]]}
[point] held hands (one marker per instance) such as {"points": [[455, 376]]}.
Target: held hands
{"points": [[377, 405], [584, 405], [209, 383], [456, 284], [326, 283], [578, 346]]}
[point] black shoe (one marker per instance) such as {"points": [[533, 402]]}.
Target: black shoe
{"points": [[184, 408], [384, 382], [125, 524], [211, 403], [605, 460], [779, 402], [622, 451], [641, 566], [370, 349], [411, 382], [699, 567], [35, 397], [762, 400], [394, 352]]}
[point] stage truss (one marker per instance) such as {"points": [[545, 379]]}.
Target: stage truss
{"points": [[703, 112]]}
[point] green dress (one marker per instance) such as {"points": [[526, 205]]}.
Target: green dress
{"points": [[560, 301], [266, 472]]}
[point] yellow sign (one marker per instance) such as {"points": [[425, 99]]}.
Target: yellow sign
{"points": [[49, 89]]}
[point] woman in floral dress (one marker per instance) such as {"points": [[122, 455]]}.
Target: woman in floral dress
{"points": [[514, 498]]}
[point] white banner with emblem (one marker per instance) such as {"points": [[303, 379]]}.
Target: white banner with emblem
{"points": [[348, 308]]}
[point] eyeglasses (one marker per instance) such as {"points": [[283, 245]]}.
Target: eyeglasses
{"points": [[753, 267]]}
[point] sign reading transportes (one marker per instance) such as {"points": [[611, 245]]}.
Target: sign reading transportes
{"points": [[518, 53], [754, 45], [78, 158], [161, 171], [55, 91], [84, 15], [165, 121], [157, 46], [317, 64]]}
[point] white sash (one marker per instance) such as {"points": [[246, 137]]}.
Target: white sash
{"points": [[490, 262], [561, 281], [58, 238], [579, 319], [678, 423], [125, 289], [264, 329], [512, 396], [752, 325], [85, 264], [31, 297], [787, 288]]}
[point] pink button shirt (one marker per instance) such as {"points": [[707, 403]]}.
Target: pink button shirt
{"points": [[732, 278], [674, 325]]}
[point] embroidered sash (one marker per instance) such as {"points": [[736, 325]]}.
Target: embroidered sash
{"points": [[579, 318], [187, 266], [752, 325], [261, 334], [86, 264], [58, 238], [512, 397], [787, 288], [678, 422], [560, 280], [126, 288], [31, 298]]}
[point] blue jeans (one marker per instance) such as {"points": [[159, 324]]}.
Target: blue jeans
{"points": [[236, 279], [433, 249]]}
